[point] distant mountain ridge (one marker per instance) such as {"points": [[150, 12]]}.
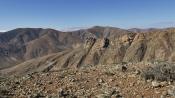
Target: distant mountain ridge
{"points": [[26, 43], [30, 50]]}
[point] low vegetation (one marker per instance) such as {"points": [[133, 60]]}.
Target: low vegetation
{"points": [[160, 72]]}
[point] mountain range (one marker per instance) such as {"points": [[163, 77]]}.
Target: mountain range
{"points": [[27, 50]]}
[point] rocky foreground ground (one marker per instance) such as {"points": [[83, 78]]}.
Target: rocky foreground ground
{"points": [[102, 81]]}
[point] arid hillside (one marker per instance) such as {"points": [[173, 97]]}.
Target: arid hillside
{"points": [[99, 62], [19, 45], [23, 44], [47, 49]]}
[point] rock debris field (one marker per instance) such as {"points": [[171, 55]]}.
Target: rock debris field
{"points": [[101, 81]]}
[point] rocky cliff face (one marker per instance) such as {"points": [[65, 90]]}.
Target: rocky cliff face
{"points": [[93, 48]]}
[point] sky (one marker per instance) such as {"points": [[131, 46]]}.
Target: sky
{"points": [[66, 14]]}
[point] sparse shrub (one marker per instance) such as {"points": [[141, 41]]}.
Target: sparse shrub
{"points": [[121, 67], [159, 72]]}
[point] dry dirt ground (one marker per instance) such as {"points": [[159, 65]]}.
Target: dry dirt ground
{"points": [[102, 81]]}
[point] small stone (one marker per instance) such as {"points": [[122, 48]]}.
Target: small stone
{"points": [[103, 96], [140, 96], [100, 81], [163, 84], [148, 80], [155, 84], [162, 96], [37, 95], [122, 68], [171, 92], [29, 96], [17, 82], [165, 93], [132, 75], [50, 82], [131, 84], [116, 96], [137, 72], [48, 96], [157, 92], [110, 80]]}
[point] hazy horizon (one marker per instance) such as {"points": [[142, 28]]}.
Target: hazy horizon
{"points": [[66, 14]]}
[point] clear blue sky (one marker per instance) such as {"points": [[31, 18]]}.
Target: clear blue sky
{"points": [[60, 14]]}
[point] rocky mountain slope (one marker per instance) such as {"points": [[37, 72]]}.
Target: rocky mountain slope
{"points": [[23, 44], [99, 62], [53, 50], [102, 81]]}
